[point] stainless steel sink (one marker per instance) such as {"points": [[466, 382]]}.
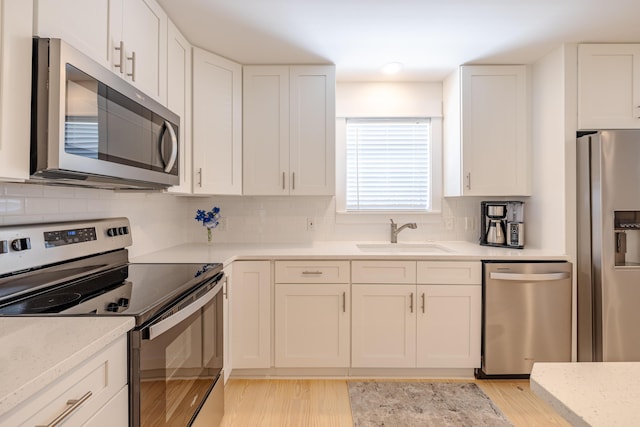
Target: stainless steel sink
{"points": [[423, 248]]}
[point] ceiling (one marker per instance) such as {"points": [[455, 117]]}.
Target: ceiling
{"points": [[430, 37]]}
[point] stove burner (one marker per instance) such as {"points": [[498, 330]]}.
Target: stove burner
{"points": [[51, 300]]}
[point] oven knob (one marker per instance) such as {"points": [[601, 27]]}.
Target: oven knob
{"points": [[112, 307], [120, 231], [123, 302], [111, 232], [21, 244]]}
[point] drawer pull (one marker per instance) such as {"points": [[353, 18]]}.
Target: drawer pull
{"points": [[423, 303], [411, 302], [344, 302], [74, 405], [312, 272]]}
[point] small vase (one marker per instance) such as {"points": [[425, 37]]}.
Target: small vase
{"points": [[209, 235]]}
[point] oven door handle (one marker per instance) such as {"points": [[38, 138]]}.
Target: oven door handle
{"points": [[171, 321]]}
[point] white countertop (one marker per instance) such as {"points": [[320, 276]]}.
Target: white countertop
{"points": [[229, 252], [35, 351], [591, 394]]}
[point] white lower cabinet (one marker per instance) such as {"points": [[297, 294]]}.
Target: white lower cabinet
{"points": [[448, 326], [398, 323], [312, 314], [312, 325], [250, 294], [226, 318], [97, 388], [383, 326]]}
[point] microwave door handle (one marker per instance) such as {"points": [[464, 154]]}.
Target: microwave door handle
{"points": [[174, 146], [173, 320]]}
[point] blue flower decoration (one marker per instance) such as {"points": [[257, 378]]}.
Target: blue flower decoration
{"points": [[209, 219]]}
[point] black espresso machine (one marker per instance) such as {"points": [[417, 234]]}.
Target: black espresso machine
{"points": [[502, 224]]}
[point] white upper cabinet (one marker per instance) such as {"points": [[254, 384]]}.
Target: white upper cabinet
{"points": [[139, 45], [179, 100], [15, 86], [83, 24], [217, 124], [289, 130], [609, 86], [127, 36], [486, 131]]}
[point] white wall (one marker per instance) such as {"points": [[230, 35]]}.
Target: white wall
{"points": [[157, 220], [545, 216]]}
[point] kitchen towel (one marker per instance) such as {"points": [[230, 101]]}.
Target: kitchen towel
{"points": [[422, 404]]}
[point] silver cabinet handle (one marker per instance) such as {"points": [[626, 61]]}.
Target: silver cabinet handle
{"points": [[529, 277], [226, 288], [423, 306], [120, 66], [174, 146], [132, 74], [200, 177], [312, 272], [283, 182], [74, 405], [411, 302], [469, 181], [293, 180], [344, 302]]}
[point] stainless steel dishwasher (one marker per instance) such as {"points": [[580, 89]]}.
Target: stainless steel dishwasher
{"points": [[526, 316]]}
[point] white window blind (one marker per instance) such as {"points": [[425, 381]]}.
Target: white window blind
{"points": [[388, 165]]}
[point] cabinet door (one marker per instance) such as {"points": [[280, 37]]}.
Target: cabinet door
{"points": [[250, 294], [266, 130], [16, 32], [144, 33], [217, 124], [448, 326], [83, 24], [312, 325], [608, 86], [312, 130], [383, 326], [226, 333], [490, 155], [179, 100]]}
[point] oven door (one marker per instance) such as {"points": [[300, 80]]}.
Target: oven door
{"points": [[176, 362]]}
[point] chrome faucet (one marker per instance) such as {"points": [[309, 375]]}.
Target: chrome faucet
{"points": [[395, 230]]}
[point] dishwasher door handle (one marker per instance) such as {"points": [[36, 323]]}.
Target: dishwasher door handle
{"points": [[531, 277]]}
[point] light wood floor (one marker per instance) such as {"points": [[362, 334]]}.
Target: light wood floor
{"points": [[320, 403]]}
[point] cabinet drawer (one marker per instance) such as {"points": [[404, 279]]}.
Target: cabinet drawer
{"points": [[312, 271], [104, 375], [383, 271], [449, 273]]}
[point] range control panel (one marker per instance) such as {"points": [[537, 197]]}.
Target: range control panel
{"points": [[68, 237], [28, 246]]}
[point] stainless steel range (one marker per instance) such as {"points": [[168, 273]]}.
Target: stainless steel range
{"points": [[81, 268]]}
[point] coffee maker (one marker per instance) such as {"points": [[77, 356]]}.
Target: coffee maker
{"points": [[502, 224]]}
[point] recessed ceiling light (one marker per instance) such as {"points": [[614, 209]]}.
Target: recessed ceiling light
{"points": [[392, 68]]}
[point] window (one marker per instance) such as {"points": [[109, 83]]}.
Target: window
{"points": [[388, 165]]}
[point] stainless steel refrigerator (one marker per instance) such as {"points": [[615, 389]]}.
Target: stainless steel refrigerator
{"points": [[608, 264]]}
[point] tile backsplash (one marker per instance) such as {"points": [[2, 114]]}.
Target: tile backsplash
{"points": [[157, 219], [162, 220], [286, 219]]}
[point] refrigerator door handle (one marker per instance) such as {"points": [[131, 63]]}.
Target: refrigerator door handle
{"points": [[520, 277]]}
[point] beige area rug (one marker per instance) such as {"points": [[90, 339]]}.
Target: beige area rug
{"points": [[422, 404]]}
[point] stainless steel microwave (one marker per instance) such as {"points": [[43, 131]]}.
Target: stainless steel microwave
{"points": [[91, 127]]}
